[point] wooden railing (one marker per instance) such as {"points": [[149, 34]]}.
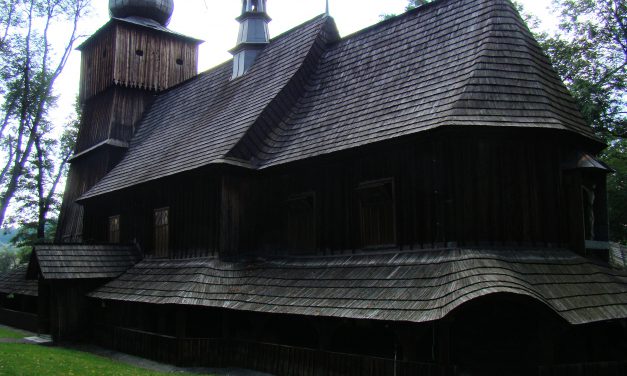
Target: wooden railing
{"points": [[265, 357], [286, 360], [18, 319]]}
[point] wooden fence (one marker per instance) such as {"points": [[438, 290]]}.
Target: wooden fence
{"points": [[286, 360], [19, 319], [265, 357]]}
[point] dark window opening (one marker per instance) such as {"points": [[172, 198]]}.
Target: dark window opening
{"points": [[179, 61], [104, 53], [114, 229], [139, 52], [376, 211], [161, 232], [301, 224]]}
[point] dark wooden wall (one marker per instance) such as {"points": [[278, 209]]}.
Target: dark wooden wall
{"points": [[471, 190], [111, 115], [193, 215], [84, 173], [490, 189]]}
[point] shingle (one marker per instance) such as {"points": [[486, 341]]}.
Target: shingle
{"points": [[79, 261], [14, 282], [412, 286], [469, 63]]}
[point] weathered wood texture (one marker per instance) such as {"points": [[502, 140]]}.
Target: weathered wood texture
{"points": [[111, 115], [489, 189], [19, 319], [69, 315], [80, 261], [193, 216], [84, 173], [133, 56], [450, 64], [14, 282], [417, 286]]}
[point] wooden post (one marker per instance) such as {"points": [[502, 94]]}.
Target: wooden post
{"points": [[229, 215], [180, 332]]}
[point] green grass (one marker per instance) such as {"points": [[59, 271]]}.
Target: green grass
{"points": [[25, 359], [7, 333]]}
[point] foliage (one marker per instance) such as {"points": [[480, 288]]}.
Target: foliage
{"points": [[589, 52], [26, 359], [34, 160], [616, 156], [412, 4]]}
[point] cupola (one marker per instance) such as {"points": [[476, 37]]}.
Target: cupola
{"points": [[253, 35], [157, 10]]}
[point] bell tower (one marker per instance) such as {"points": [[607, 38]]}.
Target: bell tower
{"points": [[253, 35], [124, 64]]}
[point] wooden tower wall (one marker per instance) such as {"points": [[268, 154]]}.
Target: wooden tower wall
{"points": [[136, 57], [111, 115], [123, 65]]}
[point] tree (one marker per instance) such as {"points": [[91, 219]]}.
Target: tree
{"points": [[589, 51], [28, 73], [37, 197], [412, 4], [590, 54]]}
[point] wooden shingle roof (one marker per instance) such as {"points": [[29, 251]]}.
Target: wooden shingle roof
{"points": [[411, 286], [82, 261], [460, 63], [455, 63], [198, 122], [14, 282]]}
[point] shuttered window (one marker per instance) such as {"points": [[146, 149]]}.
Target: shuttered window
{"points": [[114, 229], [161, 223], [377, 213], [301, 224]]}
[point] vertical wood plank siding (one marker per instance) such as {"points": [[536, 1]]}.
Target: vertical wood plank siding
{"points": [[472, 190], [130, 56], [193, 216], [157, 68]]}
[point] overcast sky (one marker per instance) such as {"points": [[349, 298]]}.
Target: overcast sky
{"points": [[214, 22]]}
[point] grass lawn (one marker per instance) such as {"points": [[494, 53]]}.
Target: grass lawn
{"points": [[7, 333], [27, 360]]}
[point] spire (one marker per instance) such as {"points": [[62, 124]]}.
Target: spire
{"points": [[327, 9], [253, 35]]}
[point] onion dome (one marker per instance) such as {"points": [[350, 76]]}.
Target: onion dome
{"points": [[157, 10]]}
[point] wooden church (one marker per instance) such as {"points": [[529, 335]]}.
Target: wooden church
{"points": [[418, 198]]}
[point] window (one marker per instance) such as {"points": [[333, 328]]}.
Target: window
{"points": [[376, 211], [114, 229], [161, 222], [301, 226]]}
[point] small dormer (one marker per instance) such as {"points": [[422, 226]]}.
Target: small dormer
{"points": [[253, 35]]}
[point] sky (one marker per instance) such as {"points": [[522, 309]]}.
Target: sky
{"points": [[214, 22]]}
